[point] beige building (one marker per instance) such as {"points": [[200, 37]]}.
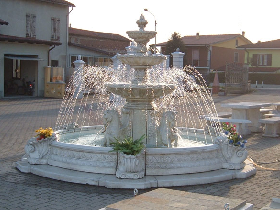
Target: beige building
{"points": [[33, 36]]}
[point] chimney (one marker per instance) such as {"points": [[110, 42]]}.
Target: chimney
{"points": [[197, 35], [243, 33]]}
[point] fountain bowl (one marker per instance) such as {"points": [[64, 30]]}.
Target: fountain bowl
{"points": [[142, 60], [142, 37], [140, 91]]}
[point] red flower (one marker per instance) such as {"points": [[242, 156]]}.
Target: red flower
{"points": [[40, 137]]}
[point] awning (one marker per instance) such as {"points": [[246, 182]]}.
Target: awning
{"points": [[24, 58]]}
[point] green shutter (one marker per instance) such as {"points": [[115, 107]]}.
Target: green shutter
{"points": [[269, 59], [255, 60]]}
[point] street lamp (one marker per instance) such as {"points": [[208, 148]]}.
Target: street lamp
{"points": [[146, 10]]}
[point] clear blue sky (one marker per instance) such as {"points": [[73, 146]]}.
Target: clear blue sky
{"points": [[258, 18]]}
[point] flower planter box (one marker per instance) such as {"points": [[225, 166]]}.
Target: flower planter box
{"points": [[131, 166]]}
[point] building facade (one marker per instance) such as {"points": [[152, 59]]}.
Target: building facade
{"points": [[263, 56], [212, 52], [33, 37], [96, 48]]}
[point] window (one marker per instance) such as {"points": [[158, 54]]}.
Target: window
{"points": [[55, 24], [87, 59], [16, 69], [195, 57], [54, 63], [102, 61], [262, 60], [236, 57], [30, 25], [236, 42]]}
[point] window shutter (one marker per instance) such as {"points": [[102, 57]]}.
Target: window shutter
{"points": [[255, 60], [269, 59], [33, 26], [27, 25], [58, 29], [52, 28]]}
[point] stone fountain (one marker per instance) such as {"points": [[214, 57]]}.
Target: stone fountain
{"points": [[164, 162]]}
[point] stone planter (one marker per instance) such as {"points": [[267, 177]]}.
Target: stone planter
{"points": [[131, 166], [37, 150], [235, 157]]}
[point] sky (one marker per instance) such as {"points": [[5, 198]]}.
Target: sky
{"points": [[258, 18]]}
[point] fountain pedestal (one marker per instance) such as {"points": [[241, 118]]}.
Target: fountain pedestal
{"points": [[139, 94], [139, 98]]}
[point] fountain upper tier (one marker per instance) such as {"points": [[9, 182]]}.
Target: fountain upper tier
{"points": [[137, 54]]}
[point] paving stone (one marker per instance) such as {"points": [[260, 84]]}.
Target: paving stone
{"points": [[19, 118]]}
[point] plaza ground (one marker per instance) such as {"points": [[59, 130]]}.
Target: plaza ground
{"points": [[20, 117]]}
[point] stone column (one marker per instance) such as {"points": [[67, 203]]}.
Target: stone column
{"points": [[79, 82], [167, 61], [178, 58]]}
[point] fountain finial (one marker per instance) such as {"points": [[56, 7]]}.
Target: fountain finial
{"points": [[142, 22]]}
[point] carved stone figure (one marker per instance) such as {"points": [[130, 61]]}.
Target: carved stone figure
{"points": [[167, 133], [111, 126], [36, 151]]}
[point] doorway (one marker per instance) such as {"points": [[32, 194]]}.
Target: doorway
{"points": [[20, 75]]}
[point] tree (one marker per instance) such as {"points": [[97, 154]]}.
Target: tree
{"points": [[173, 43]]}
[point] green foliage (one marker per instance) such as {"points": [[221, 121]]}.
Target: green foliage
{"points": [[128, 146], [173, 43]]}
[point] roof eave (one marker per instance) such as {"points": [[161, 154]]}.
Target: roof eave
{"points": [[259, 48], [91, 48], [69, 4], [29, 41]]}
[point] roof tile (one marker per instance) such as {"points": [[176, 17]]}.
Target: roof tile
{"points": [[206, 39], [75, 31], [264, 45]]}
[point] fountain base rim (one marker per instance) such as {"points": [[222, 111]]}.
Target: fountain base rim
{"points": [[111, 181]]}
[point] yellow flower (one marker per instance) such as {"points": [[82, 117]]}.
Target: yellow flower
{"points": [[44, 133]]}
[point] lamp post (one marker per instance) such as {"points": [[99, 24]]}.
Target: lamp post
{"points": [[146, 10]]}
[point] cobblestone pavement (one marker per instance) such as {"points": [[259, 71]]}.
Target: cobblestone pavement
{"points": [[19, 118]]}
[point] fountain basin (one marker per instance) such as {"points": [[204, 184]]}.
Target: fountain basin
{"points": [[165, 167], [159, 161]]}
